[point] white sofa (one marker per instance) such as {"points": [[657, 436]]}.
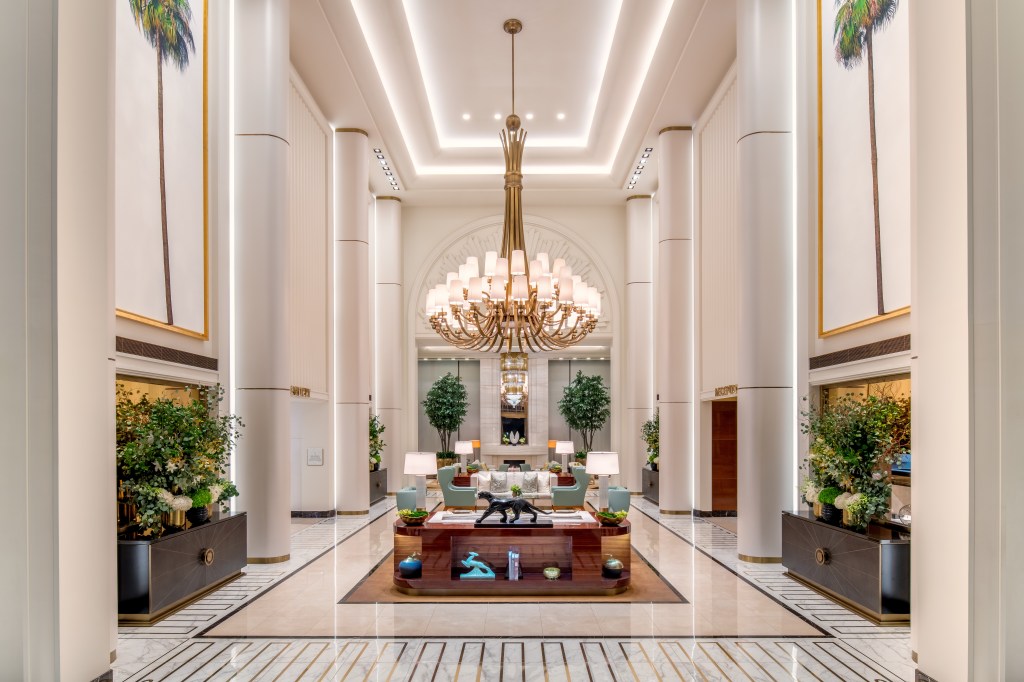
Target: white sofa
{"points": [[534, 484]]}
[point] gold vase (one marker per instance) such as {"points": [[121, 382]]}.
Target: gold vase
{"points": [[174, 519], [847, 518], [817, 510]]}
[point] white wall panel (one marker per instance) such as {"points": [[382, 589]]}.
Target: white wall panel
{"points": [[309, 221], [717, 220]]}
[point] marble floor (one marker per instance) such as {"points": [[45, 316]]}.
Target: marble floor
{"points": [[742, 622]]}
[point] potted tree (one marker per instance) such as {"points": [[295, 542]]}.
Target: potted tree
{"points": [[377, 443], [446, 407], [584, 407], [649, 433]]}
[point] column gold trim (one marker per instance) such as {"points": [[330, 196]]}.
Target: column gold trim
{"points": [[269, 559], [672, 128], [389, 199], [639, 196], [352, 513], [673, 512], [351, 130], [760, 559]]}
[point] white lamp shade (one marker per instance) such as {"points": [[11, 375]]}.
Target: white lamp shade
{"points": [[463, 447], [544, 288], [455, 292], [473, 266], [497, 290], [544, 264], [536, 270], [556, 267], [518, 264], [420, 463], [451, 276], [564, 447], [602, 463], [490, 262], [501, 268], [565, 288], [476, 288], [520, 288]]}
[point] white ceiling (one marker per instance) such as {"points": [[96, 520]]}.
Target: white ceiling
{"points": [[408, 71]]}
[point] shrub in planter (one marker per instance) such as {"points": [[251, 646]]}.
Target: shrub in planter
{"points": [[377, 443], [584, 406], [445, 407]]}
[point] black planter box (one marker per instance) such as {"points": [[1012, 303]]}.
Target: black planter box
{"points": [[155, 578], [869, 572]]}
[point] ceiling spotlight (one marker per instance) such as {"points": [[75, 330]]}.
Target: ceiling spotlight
{"points": [[497, 117], [376, 151], [385, 168], [561, 116], [529, 117], [649, 150], [645, 156], [388, 173], [382, 160], [643, 159], [465, 117], [639, 168]]}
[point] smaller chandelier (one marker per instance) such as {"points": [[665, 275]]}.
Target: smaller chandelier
{"points": [[533, 305]]}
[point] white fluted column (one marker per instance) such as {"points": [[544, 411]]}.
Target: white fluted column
{"points": [[351, 320], [639, 335], [262, 358], [767, 424], [674, 322], [390, 337]]}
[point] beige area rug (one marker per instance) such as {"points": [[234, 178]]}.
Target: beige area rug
{"points": [[645, 586]]}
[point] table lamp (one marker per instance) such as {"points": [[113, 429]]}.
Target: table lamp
{"points": [[564, 448], [602, 465], [419, 464], [463, 448]]}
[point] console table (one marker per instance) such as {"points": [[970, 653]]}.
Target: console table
{"points": [[578, 549], [869, 572]]}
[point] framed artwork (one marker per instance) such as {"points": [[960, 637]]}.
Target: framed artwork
{"points": [[161, 170], [863, 162]]}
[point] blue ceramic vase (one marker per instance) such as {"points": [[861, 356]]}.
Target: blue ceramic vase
{"points": [[410, 567]]}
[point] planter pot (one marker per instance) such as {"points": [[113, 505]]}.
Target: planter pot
{"points": [[654, 467], [612, 568], [831, 514], [198, 515], [174, 519]]}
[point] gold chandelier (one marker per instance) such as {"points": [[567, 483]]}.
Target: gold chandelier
{"points": [[533, 305]]}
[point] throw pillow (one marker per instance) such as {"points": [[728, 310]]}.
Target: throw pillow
{"points": [[499, 482], [483, 481], [530, 484]]}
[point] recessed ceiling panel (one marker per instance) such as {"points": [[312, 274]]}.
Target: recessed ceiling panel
{"points": [[465, 61]]}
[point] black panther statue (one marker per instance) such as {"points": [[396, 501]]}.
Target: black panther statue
{"points": [[516, 505]]}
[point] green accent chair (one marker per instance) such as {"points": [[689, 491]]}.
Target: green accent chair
{"points": [[618, 498], [502, 467], [571, 495], [454, 495], [406, 498], [524, 467]]}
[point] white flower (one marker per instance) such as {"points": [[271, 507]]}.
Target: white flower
{"points": [[877, 476], [215, 492], [181, 503], [812, 494], [841, 500], [165, 496], [654, 461], [171, 466]]}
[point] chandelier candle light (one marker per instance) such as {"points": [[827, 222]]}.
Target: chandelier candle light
{"points": [[533, 305]]}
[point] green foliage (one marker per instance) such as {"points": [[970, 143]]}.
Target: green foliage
{"points": [[853, 444], [170, 449], [855, 21], [165, 24], [446, 407], [829, 495], [377, 443], [202, 497], [650, 434], [584, 406], [516, 491]]}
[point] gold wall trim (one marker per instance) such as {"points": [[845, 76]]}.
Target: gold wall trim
{"points": [[822, 333], [673, 512], [672, 128], [268, 559], [760, 559], [640, 196], [389, 199], [351, 130], [205, 334], [352, 513]]}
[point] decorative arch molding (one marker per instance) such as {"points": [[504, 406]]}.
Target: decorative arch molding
{"points": [[542, 235]]}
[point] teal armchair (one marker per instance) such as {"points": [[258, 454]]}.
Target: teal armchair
{"points": [[454, 495], [618, 498], [571, 495]]}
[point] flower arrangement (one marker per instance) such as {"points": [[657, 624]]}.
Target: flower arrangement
{"points": [[554, 467], [854, 443], [650, 434], [173, 454], [377, 443], [517, 491]]}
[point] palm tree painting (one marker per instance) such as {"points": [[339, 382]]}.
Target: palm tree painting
{"points": [[856, 23], [166, 26]]}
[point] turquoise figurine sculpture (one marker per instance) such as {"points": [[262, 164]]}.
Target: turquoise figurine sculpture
{"points": [[478, 570]]}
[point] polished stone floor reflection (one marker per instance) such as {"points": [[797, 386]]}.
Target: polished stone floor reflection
{"points": [[284, 622]]}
